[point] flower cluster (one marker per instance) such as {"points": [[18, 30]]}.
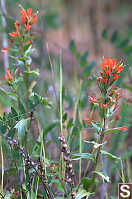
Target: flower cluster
{"points": [[16, 33], [110, 73], [111, 94], [22, 41], [111, 99], [10, 74], [108, 101], [27, 19]]}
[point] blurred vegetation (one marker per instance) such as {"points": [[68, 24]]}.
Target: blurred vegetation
{"points": [[78, 34]]}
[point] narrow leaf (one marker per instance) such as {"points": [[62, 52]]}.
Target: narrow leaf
{"points": [[109, 155], [104, 177], [21, 127], [79, 156], [82, 193]]}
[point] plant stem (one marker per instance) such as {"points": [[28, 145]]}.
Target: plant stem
{"points": [[42, 32], [61, 115], [61, 103], [2, 163], [27, 78], [27, 89], [42, 152], [98, 153], [53, 77], [80, 148]]}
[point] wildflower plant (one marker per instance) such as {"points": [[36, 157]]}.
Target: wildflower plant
{"points": [[107, 103], [42, 177], [20, 80]]}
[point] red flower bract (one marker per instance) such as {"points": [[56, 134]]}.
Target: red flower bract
{"points": [[17, 33], [110, 71], [4, 49], [92, 99], [9, 74], [27, 16], [24, 16], [28, 26], [88, 120], [123, 128], [14, 34], [33, 19]]}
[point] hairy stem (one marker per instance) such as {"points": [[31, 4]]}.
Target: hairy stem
{"points": [[98, 153]]}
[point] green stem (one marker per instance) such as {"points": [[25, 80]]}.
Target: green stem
{"points": [[61, 115], [36, 192], [2, 162], [61, 103], [98, 153], [27, 78], [75, 112], [42, 151], [80, 148], [27, 90]]}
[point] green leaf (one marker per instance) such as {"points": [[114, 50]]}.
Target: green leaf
{"points": [[49, 127], [29, 51], [64, 117], [83, 193], [86, 182], [6, 93], [3, 129], [114, 36], [83, 59], [123, 43], [21, 107], [11, 133], [14, 112], [21, 127], [88, 69], [75, 131], [105, 34], [33, 72], [70, 123], [104, 177], [72, 46], [127, 49], [78, 156], [113, 130], [96, 145], [96, 126], [78, 55], [109, 155], [43, 100], [127, 87]]}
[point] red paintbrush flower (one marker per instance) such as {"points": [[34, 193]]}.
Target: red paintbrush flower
{"points": [[14, 34], [10, 75], [24, 16], [4, 49], [17, 33], [110, 72], [30, 41], [123, 128], [28, 26], [34, 18], [92, 99], [88, 120], [27, 16]]}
